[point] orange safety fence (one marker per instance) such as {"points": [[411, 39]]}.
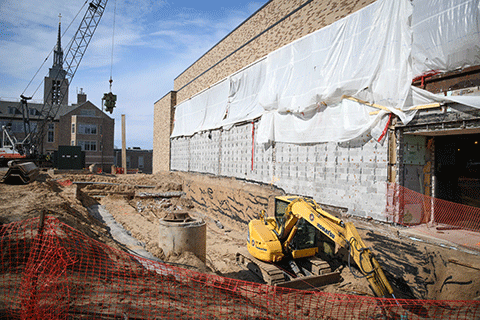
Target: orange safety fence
{"points": [[56, 272], [407, 207]]}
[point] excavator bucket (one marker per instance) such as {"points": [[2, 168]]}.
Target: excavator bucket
{"points": [[21, 173]]}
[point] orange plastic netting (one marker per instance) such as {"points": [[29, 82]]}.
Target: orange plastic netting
{"points": [[407, 207], [62, 274]]}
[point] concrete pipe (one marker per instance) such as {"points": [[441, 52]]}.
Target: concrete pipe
{"points": [[178, 232]]}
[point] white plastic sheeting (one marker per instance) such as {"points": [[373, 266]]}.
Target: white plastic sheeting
{"points": [[446, 35], [364, 55], [230, 101], [299, 90], [202, 112]]}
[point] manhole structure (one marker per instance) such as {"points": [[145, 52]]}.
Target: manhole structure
{"points": [[179, 232]]}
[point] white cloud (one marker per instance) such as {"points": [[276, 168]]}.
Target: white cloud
{"points": [[154, 42], [37, 12]]}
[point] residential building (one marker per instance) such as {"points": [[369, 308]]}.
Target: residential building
{"points": [[89, 127], [80, 124]]}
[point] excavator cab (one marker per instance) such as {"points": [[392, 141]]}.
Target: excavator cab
{"points": [[280, 209], [305, 236], [303, 243]]}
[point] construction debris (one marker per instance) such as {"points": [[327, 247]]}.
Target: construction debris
{"points": [[21, 173], [84, 183], [426, 269], [160, 195]]}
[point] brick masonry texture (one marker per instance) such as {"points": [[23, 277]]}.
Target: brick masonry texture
{"points": [[228, 56], [342, 175], [162, 128], [104, 136]]}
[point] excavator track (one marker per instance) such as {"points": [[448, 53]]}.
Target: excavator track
{"points": [[319, 266], [268, 272], [321, 273]]}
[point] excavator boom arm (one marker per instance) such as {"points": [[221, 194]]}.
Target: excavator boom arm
{"points": [[346, 236]]}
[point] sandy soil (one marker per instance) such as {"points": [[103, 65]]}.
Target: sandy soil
{"points": [[419, 269]]}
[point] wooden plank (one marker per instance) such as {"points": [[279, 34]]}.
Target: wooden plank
{"points": [[171, 194], [374, 105]]}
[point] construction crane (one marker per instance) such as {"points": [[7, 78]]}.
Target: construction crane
{"points": [[30, 146]]}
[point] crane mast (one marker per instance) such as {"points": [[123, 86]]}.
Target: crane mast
{"points": [[34, 136]]}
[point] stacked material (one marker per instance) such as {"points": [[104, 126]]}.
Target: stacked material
{"points": [[21, 173]]}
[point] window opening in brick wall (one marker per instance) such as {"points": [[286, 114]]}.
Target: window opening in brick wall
{"points": [[51, 132], [87, 145], [87, 128]]}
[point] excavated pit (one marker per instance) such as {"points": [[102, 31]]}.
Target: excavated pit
{"points": [[422, 267]]}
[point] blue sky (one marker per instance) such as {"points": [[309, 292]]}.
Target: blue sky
{"points": [[154, 42]]}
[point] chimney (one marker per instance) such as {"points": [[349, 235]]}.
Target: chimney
{"points": [[81, 97]]}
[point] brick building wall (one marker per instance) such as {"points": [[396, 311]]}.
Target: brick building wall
{"points": [[139, 160], [85, 115], [276, 24], [163, 126], [10, 112], [341, 175]]}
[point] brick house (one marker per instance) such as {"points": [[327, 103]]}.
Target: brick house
{"points": [[89, 127]]}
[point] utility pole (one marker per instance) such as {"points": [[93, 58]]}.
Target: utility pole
{"points": [[124, 146]]}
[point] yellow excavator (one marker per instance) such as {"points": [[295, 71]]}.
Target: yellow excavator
{"points": [[282, 250]]}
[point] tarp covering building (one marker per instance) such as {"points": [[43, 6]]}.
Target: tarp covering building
{"points": [[303, 92]]}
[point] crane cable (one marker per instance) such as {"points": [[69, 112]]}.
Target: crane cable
{"points": [[113, 44], [48, 56]]}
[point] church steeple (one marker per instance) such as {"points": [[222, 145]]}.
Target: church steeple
{"points": [[58, 52], [56, 83], [56, 71]]}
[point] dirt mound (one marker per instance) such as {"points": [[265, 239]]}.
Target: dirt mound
{"points": [[426, 270], [188, 260]]}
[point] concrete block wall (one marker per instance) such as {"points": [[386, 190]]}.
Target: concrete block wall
{"points": [[294, 167], [263, 162], [236, 151], [276, 24], [236, 155], [341, 175], [336, 174], [180, 154], [224, 153], [205, 152]]}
